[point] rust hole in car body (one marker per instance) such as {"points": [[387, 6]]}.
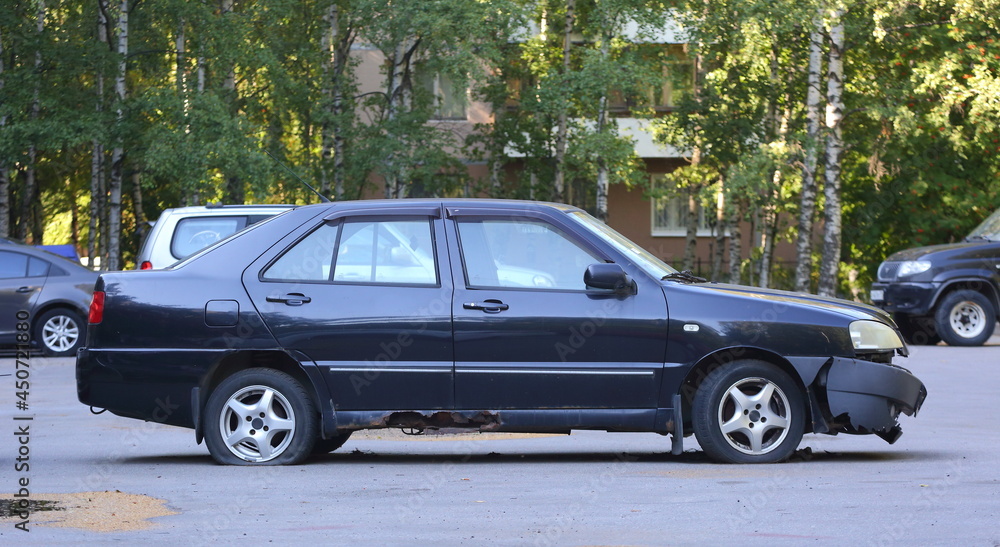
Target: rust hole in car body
{"points": [[483, 421]]}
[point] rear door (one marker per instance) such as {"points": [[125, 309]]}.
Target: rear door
{"points": [[21, 280], [364, 296]]}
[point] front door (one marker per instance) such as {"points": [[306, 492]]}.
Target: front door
{"points": [[365, 299], [530, 335]]}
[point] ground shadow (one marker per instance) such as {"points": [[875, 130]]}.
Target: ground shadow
{"points": [[358, 456]]}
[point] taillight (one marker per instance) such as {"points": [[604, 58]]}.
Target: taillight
{"points": [[146, 265], [96, 308]]}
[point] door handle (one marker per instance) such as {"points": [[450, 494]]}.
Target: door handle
{"points": [[23, 290], [290, 299], [488, 306]]}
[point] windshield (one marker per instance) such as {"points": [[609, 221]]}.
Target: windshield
{"points": [[989, 229], [636, 254]]}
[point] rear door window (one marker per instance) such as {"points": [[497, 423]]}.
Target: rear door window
{"points": [[13, 265]]}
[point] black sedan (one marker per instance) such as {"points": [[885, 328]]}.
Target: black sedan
{"points": [[282, 340], [43, 299]]}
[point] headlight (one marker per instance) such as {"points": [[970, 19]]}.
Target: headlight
{"points": [[913, 267], [869, 335]]}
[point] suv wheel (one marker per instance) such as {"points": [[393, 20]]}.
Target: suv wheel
{"points": [[965, 318]]}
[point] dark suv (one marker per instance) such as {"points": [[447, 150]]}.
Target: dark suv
{"points": [[945, 292]]}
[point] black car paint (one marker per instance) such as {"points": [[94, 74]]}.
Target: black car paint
{"points": [[169, 337]]}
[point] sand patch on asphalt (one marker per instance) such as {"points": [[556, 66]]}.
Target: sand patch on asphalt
{"points": [[91, 511]]}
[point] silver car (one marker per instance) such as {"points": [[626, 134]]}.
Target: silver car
{"points": [[44, 299], [183, 231]]}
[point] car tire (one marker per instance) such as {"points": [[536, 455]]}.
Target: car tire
{"points": [[325, 446], [917, 330], [965, 318], [59, 332], [260, 417], [748, 412]]}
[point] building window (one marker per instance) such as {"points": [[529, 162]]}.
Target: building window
{"points": [[669, 210], [675, 82], [449, 98]]}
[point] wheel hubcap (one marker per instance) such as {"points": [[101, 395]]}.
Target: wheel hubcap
{"points": [[60, 333], [257, 424], [968, 319], [754, 416]]}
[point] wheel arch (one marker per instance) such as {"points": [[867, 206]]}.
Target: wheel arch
{"points": [[978, 284], [59, 304], [279, 360], [709, 363]]}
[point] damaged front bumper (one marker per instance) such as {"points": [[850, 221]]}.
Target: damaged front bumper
{"points": [[862, 397]]}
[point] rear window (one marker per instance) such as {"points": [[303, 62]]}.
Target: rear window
{"points": [[195, 233]]}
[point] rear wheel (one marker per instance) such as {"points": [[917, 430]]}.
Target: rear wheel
{"points": [[748, 412], [260, 417], [965, 318], [60, 332]]}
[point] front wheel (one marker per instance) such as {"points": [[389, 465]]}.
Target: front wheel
{"points": [[748, 412], [260, 417], [965, 318], [60, 332]]}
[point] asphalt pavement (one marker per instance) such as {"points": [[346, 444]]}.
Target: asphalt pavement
{"points": [[90, 479]]}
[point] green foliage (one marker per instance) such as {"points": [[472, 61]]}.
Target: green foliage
{"points": [[922, 125]]}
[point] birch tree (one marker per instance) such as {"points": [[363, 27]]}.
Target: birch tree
{"points": [[830, 264], [807, 198], [118, 151]]}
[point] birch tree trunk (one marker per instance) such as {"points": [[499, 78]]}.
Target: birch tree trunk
{"points": [[735, 250], [830, 264], [692, 191], [807, 204], [398, 101], [140, 216], [602, 122], [4, 170], [234, 184], [328, 58], [118, 153], [26, 224], [562, 127], [94, 226], [336, 49], [720, 232], [96, 184]]}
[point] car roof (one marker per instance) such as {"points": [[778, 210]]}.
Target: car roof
{"points": [[226, 209], [40, 253], [479, 203]]}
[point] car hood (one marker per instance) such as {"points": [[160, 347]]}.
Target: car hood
{"points": [[853, 310], [918, 253]]}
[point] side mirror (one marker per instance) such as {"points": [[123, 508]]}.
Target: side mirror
{"points": [[610, 277]]}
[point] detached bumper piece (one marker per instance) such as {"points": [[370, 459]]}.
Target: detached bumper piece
{"points": [[868, 397]]}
